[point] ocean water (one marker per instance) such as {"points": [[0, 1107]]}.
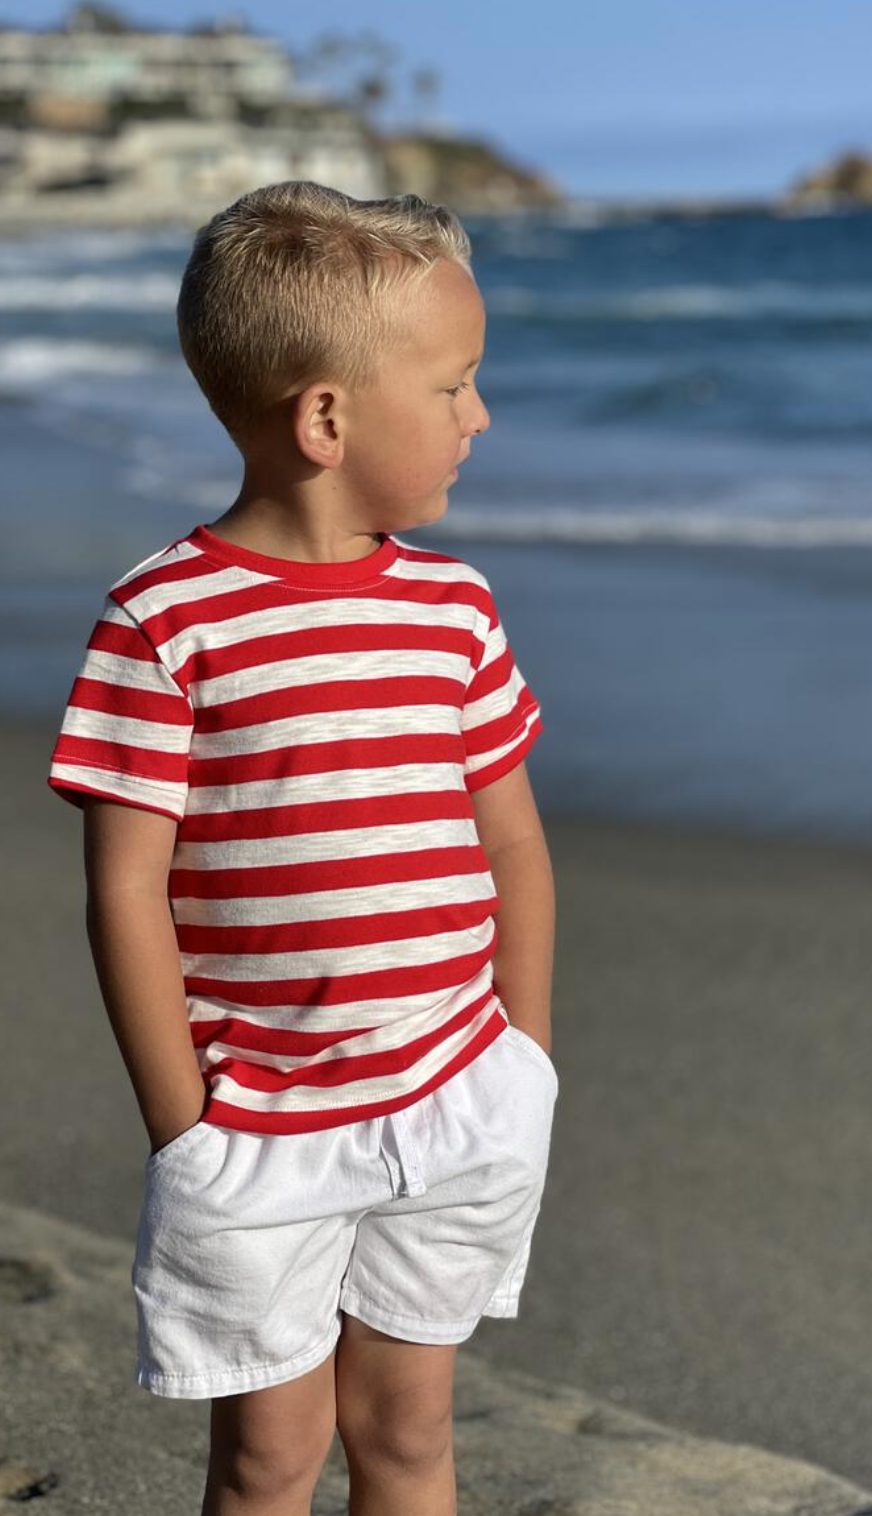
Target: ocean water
{"points": [[672, 503]]}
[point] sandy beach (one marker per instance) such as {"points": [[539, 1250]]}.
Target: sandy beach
{"points": [[702, 1251]]}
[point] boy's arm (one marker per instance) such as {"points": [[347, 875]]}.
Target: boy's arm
{"points": [[136, 956], [510, 831]]}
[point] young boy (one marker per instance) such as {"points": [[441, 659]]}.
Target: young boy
{"points": [[298, 741]]}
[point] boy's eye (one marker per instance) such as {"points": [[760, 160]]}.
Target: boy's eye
{"points": [[457, 388]]}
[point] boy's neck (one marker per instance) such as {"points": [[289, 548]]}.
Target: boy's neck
{"points": [[256, 528]]}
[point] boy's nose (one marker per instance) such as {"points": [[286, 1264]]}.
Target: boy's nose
{"points": [[482, 419]]}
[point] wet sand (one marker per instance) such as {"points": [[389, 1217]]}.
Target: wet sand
{"points": [[702, 1254]]}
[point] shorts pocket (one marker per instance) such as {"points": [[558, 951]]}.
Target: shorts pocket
{"points": [[533, 1049], [183, 1143]]}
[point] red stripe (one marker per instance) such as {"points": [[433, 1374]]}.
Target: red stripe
{"points": [[136, 704], [355, 695], [327, 816], [123, 640], [121, 757]]}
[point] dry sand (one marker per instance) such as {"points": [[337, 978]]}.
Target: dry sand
{"points": [[702, 1255]]}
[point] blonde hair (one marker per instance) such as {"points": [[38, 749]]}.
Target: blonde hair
{"points": [[291, 283]]}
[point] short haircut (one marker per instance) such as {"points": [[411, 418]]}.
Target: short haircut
{"points": [[289, 284]]}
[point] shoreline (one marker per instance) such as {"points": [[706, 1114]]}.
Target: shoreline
{"points": [[791, 847], [77, 212]]}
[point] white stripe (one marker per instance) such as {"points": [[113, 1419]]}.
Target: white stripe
{"points": [[326, 847], [131, 731], [128, 673]]}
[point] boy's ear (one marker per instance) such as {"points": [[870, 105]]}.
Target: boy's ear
{"points": [[315, 417]]}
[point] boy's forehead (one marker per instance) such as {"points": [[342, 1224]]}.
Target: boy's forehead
{"points": [[444, 314]]}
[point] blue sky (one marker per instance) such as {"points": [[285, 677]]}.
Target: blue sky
{"points": [[612, 97]]}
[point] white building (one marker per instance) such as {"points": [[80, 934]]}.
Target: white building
{"points": [[178, 169], [203, 116], [205, 71], [171, 160]]}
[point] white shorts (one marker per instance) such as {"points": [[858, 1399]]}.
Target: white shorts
{"points": [[419, 1222]]}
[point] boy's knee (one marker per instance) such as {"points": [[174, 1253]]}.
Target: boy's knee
{"points": [[394, 1399], [263, 1471], [410, 1433], [270, 1443]]}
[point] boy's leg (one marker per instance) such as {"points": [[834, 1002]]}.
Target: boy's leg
{"points": [[394, 1414], [268, 1446]]}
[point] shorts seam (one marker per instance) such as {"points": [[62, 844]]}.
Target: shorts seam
{"points": [[240, 1370], [418, 1321], [509, 1294]]}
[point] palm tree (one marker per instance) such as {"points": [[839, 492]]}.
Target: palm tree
{"points": [[96, 18], [339, 58], [426, 83]]}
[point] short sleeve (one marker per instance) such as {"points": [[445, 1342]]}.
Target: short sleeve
{"points": [[126, 730], [501, 717]]}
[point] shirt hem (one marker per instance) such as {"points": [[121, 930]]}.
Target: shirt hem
{"points": [[74, 790], [222, 1113]]}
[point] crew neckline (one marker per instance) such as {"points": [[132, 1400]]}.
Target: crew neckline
{"points": [[299, 572]]}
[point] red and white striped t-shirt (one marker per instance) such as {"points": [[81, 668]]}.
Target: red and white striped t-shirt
{"points": [[316, 730]]}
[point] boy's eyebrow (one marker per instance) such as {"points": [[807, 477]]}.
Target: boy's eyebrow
{"points": [[472, 362]]}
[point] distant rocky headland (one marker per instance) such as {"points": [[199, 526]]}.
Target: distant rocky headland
{"points": [[844, 182], [467, 174]]}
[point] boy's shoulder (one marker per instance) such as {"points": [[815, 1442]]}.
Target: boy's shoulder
{"points": [[157, 571], [432, 558]]}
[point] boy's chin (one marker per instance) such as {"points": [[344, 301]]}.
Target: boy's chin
{"points": [[440, 506], [420, 512], [428, 510]]}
